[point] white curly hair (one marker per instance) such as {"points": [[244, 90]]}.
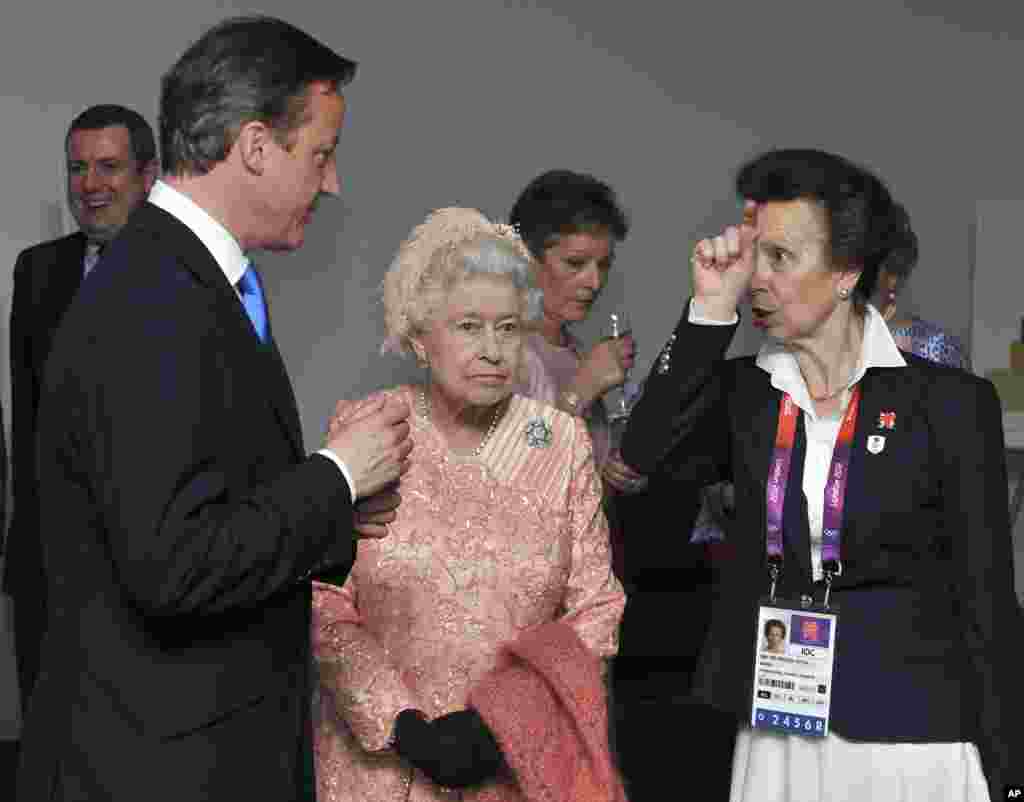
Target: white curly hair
{"points": [[450, 245]]}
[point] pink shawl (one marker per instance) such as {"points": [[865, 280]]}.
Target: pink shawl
{"points": [[545, 702]]}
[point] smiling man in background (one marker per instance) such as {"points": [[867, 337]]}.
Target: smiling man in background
{"points": [[111, 166]]}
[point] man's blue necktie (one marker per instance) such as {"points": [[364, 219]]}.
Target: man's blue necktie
{"points": [[251, 290]]}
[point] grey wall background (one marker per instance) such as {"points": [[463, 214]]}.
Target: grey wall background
{"points": [[463, 101]]}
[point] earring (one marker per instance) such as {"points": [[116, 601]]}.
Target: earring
{"points": [[889, 312], [422, 360], [844, 293]]}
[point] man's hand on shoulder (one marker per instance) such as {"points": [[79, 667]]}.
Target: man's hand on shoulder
{"points": [[373, 441]]}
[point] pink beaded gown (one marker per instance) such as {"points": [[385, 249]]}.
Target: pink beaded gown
{"points": [[483, 548]]}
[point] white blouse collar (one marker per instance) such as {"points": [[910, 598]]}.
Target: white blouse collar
{"points": [[878, 350]]}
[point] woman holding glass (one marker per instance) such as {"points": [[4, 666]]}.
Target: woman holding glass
{"points": [[866, 478], [571, 223]]}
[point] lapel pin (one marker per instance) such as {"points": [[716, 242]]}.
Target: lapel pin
{"points": [[876, 443], [887, 420]]}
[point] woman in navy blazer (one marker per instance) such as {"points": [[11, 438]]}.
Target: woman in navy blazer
{"points": [[925, 700]]}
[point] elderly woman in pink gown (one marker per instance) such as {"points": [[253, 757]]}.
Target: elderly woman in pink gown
{"points": [[500, 530]]}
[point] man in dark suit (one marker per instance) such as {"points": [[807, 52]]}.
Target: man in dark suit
{"points": [[111, 165], [182, 521]]}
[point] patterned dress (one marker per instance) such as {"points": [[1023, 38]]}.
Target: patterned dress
{"points": [[927, 340], [482, 549]]}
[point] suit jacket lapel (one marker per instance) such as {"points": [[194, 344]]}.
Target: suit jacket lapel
{"points": [[886, 399], [283, 401], [756, 415], [56, 280], [755, 419], [888, 402], [266, 358], [279, 392], [797, 531], [65, 276], [73, 252]]}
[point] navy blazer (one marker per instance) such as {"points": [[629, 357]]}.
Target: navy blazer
{"points": [[929, 620], [181, 523]]}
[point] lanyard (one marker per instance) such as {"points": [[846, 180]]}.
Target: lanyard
{"points": [[835, 488]]}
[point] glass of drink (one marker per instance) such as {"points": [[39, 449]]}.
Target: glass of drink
{"points": [[618, 401]]}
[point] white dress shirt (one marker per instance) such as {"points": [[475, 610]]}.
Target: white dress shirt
{"points": [[228, 255]]}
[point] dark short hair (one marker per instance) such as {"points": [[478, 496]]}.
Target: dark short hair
{"points": [[106, 115], [774, 622], [561, 202], [243, 69], [867, 228]]}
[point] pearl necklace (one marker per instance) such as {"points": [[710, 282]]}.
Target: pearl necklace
{"points": [[424, 405]]}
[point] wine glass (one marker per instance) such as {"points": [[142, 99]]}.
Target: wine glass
{"points": [[619, 400]]}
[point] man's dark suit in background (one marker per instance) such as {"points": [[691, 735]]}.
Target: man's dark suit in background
{"points": [[111, 165], [46, 278]]}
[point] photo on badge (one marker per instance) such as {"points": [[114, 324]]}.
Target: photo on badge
{"points": [[774, 640]]}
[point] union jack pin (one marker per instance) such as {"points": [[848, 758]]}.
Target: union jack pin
{"points": [[887, 420]]}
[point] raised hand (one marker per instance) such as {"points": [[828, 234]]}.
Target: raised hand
{"points": [[373, 441], [724, 265]]}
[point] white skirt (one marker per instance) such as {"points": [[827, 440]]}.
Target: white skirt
{"points": [[776, 767]]}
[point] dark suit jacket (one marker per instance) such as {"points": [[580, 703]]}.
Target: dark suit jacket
{"points": [[181, 524], [46, 278], [929, 621]]}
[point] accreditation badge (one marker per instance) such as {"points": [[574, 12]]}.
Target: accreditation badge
{"points": [[794, 648]]}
